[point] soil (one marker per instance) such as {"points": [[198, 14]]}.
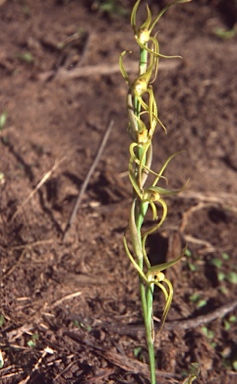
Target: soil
{"points": [[70, 310]]}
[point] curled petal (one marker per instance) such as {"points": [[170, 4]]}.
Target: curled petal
{"points": [[161, 267], [168, 302], [122, 68]]}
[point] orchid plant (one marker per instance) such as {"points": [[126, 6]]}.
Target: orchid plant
{"points": [[143, 120]]}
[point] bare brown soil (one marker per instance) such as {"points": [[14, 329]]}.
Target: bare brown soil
{"points": [[70, 311]]}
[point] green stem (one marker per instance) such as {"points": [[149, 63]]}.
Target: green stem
{"points": [[146, 292], [148, 320]]}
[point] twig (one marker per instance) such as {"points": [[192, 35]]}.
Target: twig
{"points": [[132, 329], [31, 245], [98, 70], [123, 362], [36, 366], [203, 319], [191, 239], [8, 375], [208, 247], [87, 179], [38, 186], [24, 247], [67, 297], [55, 379], [208, 196], [205, 201], [187, 214]]}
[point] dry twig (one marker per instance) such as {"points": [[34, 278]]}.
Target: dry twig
{"points": [[38, 186], [98, 70], [184, 324], [87, 179], [123, 362]]}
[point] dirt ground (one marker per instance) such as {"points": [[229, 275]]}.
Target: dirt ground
{"points": [[70, 310]]}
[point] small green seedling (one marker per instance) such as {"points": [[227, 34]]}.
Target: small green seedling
{"points": [[3, 120], [231, 277], [220, 276], [234, 365], [26, 10], [188, 252], [220, 263], [208, 333], [197, 300], [226, 34], [1, 360], [137, 352], [229, 322], [225, 256], [192, 266], [2, 320], [111, 7], [210, 336], [27, 57], [33, 341]]}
